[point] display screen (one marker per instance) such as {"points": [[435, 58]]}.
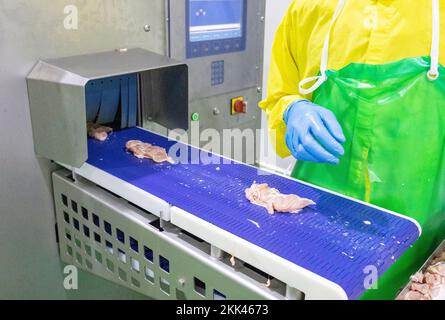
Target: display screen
{"points": [[211, 20]]}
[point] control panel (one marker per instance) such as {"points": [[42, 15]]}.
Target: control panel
{"points": [[215, 27], [221, 41]]}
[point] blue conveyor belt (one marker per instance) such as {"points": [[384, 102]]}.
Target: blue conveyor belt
{"points": [[335, 239]]}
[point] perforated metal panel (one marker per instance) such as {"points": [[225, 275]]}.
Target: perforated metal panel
{"points": [[105, 235]]}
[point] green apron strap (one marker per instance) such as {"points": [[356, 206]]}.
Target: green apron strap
{"points": [[433, 74], [319, 80]]}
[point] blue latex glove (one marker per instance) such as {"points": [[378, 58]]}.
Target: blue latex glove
{"points": [[313, 133]]}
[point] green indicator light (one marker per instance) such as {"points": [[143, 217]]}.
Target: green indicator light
{"points": [[195, 116]]}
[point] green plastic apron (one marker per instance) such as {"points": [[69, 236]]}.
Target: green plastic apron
{"points": [[393, 117]]}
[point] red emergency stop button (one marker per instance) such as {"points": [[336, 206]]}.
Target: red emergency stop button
{"points": [[239, 105]]}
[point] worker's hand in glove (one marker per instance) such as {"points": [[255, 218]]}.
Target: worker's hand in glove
{"points": [[313, 133]]}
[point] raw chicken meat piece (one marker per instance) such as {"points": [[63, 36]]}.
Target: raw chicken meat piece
{"points": [[433, 279], [98, 132], [418, 277], [429, 285], [143, 150], [274, 201], [422, 288], [414, 295]]}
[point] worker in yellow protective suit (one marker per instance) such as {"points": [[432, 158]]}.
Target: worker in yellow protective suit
{"points": [[356, 94]]}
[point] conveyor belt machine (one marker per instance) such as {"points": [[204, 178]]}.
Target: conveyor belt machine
{"points": [[186, 230]]}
